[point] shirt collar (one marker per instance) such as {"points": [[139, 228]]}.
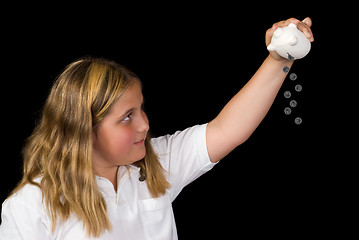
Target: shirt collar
{"points": [[123, 173], [122, 170]]}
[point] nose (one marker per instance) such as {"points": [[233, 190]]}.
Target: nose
{"points": [[143, 125]]}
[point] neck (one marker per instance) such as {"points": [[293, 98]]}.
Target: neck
{"points": [[108, 173]]}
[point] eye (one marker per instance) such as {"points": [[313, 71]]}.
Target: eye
{"points": [[127, 118]]}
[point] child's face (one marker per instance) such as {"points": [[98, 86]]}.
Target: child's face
{"points": [[119, 138]]}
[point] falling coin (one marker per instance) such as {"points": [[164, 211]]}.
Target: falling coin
{"points": [[298, 120], [293, 76], [287, 94], [293, 103], [287, 110], [298, 88], [286, 69]]}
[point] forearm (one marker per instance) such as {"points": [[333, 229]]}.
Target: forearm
{"points": [[242, 115]]}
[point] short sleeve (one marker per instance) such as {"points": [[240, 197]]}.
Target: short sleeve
{"points": [[21, 218], [184, 156]]}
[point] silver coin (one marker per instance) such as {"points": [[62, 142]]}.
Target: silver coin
{"points": [[290, 57], [298, 88], [286, 69], [287, 94], [293, 76], [293, 103], [287, 110], [298, 120]]}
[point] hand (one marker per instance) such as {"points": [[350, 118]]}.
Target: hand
{"points": [[303, 26]]}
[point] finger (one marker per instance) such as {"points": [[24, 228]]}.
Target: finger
{"points": [[286, 22], [292, 20], [308, 21], [271, 30], [269, 34], [304, 27]]}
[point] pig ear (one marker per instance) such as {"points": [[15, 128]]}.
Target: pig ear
{"points": [[293, 41], [271, 47], [277, 33]]}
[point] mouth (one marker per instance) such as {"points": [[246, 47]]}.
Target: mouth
{"points": [[140, 142]]}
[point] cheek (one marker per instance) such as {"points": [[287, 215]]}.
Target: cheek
{"points": [[123, 140], [115, 144]]}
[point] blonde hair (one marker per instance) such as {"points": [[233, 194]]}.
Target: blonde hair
{"points": [[60, 147]]}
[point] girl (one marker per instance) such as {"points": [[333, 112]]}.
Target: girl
{"points": [[91, 171]]}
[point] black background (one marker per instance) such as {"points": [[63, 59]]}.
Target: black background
{"points": [[191, 60]]}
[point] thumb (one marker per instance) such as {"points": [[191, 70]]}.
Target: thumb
{"points": [[307, 21]]}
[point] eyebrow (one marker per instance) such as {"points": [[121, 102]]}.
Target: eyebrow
{"points": [[127, 112]]}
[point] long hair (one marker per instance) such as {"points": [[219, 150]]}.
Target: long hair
{"points": [[60, 147]]}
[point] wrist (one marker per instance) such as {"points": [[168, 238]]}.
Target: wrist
{"points": [[280, 61], [276, 57], [283, 65]]}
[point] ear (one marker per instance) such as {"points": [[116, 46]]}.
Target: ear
{"points": [[278, 32], [292, 25]]}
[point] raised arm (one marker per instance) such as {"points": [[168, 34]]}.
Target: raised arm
{"points": [[244, 112]]}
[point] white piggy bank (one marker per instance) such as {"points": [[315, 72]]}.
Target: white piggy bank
{"points": [[289, 42]]}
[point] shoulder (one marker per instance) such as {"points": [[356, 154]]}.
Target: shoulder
{"points": [[164, 144], [29, 195], [184, 156], [27, 199], [24, 216]]}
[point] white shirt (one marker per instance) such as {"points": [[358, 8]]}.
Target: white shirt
{"points": [[133, 213]]}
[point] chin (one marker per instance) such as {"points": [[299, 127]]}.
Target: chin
{"points": [[140, 156], [143, 155]]}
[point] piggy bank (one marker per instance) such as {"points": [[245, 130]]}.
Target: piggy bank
{"points": [[289, 42]]}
